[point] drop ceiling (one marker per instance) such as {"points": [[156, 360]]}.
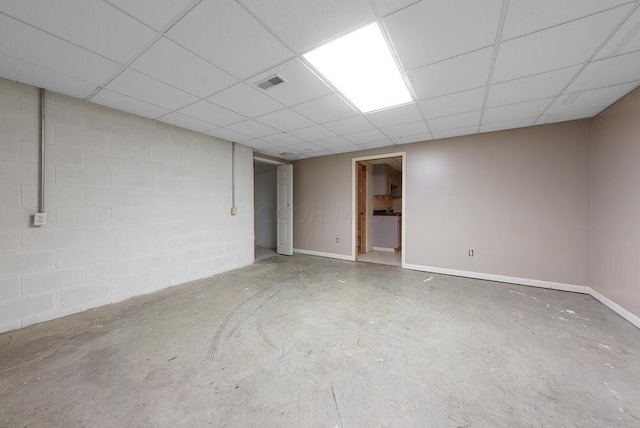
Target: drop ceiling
{"points": [[471, 66]]}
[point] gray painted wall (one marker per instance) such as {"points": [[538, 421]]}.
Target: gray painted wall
{"points": [[615, 266], [265, 205], [520, 199]]}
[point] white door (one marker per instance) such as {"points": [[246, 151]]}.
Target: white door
{"points": [[285, 209]]}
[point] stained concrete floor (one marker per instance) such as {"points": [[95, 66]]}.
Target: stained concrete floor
{"points": [[306, 341]]}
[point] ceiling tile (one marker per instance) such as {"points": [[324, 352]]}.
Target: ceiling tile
{"points": [[285, 120], [228, 134], [245, 100], [565, 117], [283, 139], [461, 102], [259, 144], [516, 111], [530, 88], [454, 121], [253, 129], [92, 24], [304, 147], [178, 67], [211, 113], [313, 133], [526, 16], [595, 98], [562, 46], [625, 40], [433, 30], [321, 152], [350, 125], [155, 13], [455, 75], [469, 130], [377, 144], [301, 84], [501, 126], [413, 138], [225, 34], [395, 115], [14, 69], [141, 87], [333, 142], [326, 109], [186, 122], [366, 137], [386, 7], [130, 105], [412, 128], [33, 46], [304, 24], [346, 148], [607, 72], [280, 152]]}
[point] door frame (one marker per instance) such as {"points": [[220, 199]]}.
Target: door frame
{"points": [[354, 200], [362, 224]]}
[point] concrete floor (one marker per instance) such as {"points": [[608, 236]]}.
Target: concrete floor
{"points": [[306, 341], [263, 253], [382, 257]]}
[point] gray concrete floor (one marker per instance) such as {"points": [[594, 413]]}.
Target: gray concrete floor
{"points": [[306, 341], [263, 253], [382, 257]]}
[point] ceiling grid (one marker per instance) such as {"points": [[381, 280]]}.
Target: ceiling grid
{"points": [[469, 67]]}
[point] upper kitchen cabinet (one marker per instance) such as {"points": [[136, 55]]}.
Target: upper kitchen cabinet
{"points": [[387, 181]]}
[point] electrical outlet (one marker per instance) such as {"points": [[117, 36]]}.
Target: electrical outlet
{"points": [[234, 210], [337, 240], [470, 253], [39, 219]]}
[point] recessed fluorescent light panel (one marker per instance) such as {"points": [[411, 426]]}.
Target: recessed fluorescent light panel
{"points": [[361, 66]]}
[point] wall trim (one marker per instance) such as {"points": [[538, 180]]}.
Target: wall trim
{"points": [[500, 278], [635, 320], [321, 254]]}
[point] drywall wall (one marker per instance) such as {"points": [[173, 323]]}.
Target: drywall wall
{"points": [[134, 205], [265, 205], [615, 262], [520, 199]]}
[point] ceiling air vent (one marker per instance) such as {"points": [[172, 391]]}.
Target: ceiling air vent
{"points": [[270, 81]]}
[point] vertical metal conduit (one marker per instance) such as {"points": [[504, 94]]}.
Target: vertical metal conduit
{"points": [[233, 179], [42, 150]]}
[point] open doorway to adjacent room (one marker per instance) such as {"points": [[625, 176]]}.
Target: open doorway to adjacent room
{"points": [[273, 208], [378, 208], [265, 209]]}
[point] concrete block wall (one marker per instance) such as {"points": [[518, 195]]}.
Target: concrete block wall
{"points": [[133, 205]]}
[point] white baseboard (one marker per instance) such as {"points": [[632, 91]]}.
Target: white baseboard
{"points": [[499, 278], [321, 254], [385, 249], [616, 308]]}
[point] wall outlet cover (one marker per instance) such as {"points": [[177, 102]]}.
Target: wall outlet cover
{"points": [[39, 219]]}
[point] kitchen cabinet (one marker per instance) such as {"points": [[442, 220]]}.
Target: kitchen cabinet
{"points": [[387, 235], [387, 181]]}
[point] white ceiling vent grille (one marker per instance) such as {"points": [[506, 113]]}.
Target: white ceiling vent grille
{"points": [[271, 81]]}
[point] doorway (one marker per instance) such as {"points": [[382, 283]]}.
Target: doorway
{"points": [[379, 208], [273, 208], [265, 209]]}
